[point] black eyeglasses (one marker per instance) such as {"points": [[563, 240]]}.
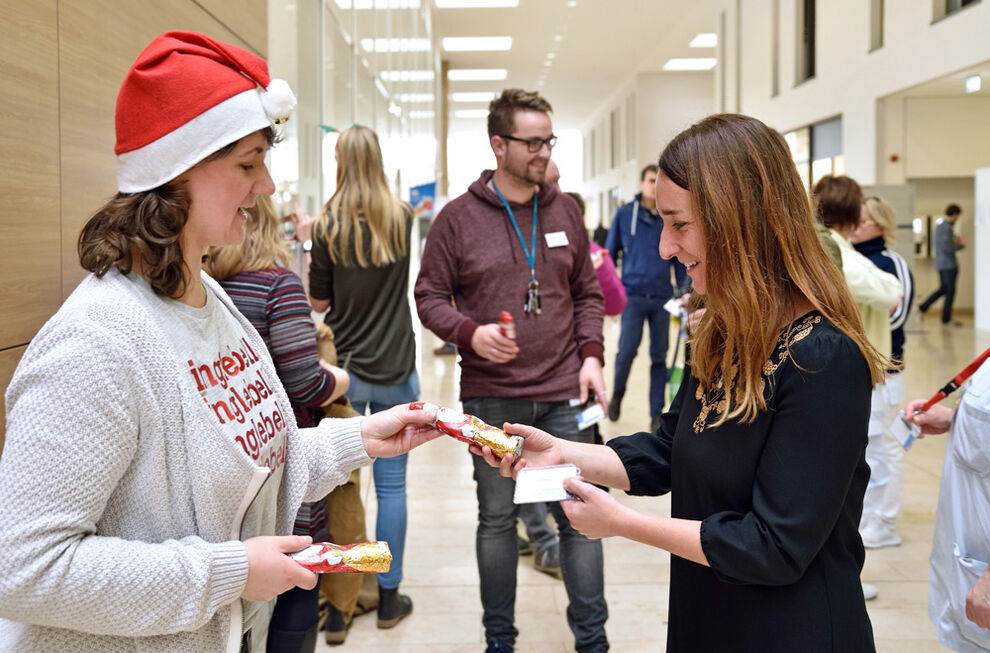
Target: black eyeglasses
{"points": [[533, 144]]}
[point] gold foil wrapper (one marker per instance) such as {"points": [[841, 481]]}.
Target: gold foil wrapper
{"points": [[495, 439], [362, 557]]}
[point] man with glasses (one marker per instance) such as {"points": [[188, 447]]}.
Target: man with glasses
{"points": [[634, 239], [514, 243]]}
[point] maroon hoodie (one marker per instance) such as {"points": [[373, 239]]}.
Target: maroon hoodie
{"points": [[474, 256]]}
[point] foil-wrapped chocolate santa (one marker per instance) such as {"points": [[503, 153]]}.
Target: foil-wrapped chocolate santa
{"points": [[360, 557], [470, 429]]}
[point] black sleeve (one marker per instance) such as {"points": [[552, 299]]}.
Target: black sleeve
{"points": [[320, 270], [815, 442], [646, 456]]}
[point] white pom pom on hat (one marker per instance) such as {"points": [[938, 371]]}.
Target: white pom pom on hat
{"points": [[185, 97], [278, 101]]}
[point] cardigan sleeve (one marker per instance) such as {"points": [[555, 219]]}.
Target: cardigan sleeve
{"points": [[816, 440]]}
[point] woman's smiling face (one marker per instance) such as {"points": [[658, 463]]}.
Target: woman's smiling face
{"points": [[219, 190], [682, 234]]}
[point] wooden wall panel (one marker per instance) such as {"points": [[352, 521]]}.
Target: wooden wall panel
{"points": [[30, 283], [248, 19], [8, 362], [99, 39]]}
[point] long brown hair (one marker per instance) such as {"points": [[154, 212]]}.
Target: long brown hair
{"points": [[362, 198], [147, 223], [761, 254], [261, 249]]}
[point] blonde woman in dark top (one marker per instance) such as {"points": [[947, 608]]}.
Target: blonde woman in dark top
{"points": [[762, 449], [360, 272]]}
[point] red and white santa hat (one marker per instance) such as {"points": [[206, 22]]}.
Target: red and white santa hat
{"points": [[185, 97]]}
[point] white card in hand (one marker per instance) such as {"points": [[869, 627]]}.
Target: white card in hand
{"points": [[539, 484], [590, 416]]}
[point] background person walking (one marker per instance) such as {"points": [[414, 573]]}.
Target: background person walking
{"points": [[634, 240], [946, 246]]}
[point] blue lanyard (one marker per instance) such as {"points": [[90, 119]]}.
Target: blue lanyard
{"points": [[530, 254]]}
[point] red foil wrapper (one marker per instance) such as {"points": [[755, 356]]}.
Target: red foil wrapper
{"points": [[360, 557], [470, 429]]}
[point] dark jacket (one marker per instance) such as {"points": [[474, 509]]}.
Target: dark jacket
{"points": [[643, 271], [892, 263]]}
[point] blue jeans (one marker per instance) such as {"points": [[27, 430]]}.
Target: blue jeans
{"points": [[947, 289], [539, 532], [389, 473], [639, 309], [498, 553]]}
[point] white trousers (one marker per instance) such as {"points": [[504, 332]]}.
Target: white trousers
{"points": [[882, 502]]}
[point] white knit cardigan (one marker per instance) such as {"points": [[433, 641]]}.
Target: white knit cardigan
{"points": [[120, 501]]}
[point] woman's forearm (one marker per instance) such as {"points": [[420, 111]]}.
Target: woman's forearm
{"points": [[598, 463], [681, 537]]}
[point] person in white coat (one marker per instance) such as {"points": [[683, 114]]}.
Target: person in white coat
{"points": [[152, 466], [959, 581]]}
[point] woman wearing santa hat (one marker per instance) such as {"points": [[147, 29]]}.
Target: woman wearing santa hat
{"points": [[152, 466]]}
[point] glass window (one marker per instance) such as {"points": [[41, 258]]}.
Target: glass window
{"points": [[805, 40], [876, 24]]}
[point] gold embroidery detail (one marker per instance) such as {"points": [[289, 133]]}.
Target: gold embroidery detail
{"points": [[716, 398]]}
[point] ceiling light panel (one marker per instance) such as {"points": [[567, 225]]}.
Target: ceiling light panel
{"points": [[704, 40], [395, 45], [477, 43], [696, 63], [481, 96], [477, 74], [377, 4], [415, 98], [475, 4], [420, 114], [407, 75], [471, 113], [973, 84]]}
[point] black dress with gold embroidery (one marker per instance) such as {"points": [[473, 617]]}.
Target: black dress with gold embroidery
{"points": [[779, 502]]}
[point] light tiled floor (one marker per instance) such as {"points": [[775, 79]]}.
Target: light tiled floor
{"points": [[441, 575]]}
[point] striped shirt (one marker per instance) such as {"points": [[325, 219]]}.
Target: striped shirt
{"points": [[275, 303]]}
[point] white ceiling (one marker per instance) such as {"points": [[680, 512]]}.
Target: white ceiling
{"points": [[604, 43]]}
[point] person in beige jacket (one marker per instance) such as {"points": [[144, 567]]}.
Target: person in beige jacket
{"points": [[837, 202]]}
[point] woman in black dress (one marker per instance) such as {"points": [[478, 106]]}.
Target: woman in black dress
{"points": [[763, 447]]}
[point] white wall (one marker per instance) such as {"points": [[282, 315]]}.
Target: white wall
{"points": [[946, 137], [981, 247], [849, 79], [666, 104]]}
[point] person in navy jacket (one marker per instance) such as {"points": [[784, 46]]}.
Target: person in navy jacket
{"points": [[634, 239], [882, 503]]}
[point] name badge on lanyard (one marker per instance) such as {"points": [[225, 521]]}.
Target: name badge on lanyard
{"points": [[532, 303]]}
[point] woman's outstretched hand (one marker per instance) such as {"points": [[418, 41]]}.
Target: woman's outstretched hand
{"points": [[594, 513], [397, 430], [539, 450]]}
